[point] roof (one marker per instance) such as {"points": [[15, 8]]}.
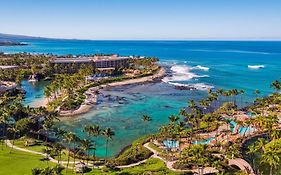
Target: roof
{"points": [[8, 67], [88, 59], [107, 68], [72, 60]]}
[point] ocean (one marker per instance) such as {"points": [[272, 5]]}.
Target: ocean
{"points": [[247, 65]]}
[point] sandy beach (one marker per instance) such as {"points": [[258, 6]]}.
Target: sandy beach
{"points": [[42, 102], [91, 97]]}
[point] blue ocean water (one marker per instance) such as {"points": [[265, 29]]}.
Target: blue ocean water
{"points": [[199, 64], [227, 60]]}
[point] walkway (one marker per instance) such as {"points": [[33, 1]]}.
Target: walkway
{"points": [[8, 142], [169, 164], [242, 164]]}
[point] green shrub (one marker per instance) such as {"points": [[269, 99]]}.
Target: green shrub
{"points": [[135, 153]]}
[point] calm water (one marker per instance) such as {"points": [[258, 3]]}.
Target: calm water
{"points": [[200, 64]]}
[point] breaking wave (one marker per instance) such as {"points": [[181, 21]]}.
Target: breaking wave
{"points": [[256, 66], [202, 68], [198, 86], [182, 73]]}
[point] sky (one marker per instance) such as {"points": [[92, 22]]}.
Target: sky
{"points": [[143, 19]]}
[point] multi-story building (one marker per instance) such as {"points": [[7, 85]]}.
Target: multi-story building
{"points": [[102, 61]]}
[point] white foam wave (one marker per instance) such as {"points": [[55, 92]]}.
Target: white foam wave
{"points": [[198, 86], [202, 68], [183, 73], [256, 66]]}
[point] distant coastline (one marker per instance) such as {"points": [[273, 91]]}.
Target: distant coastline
{"points": [[12, 43]]}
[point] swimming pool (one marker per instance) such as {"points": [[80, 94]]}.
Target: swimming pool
{"points": [[250, 114], [171, 143], [242, 130], [206, 141]]}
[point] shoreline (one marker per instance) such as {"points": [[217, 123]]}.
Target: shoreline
{"points": [[40, 103], [91, 96]]}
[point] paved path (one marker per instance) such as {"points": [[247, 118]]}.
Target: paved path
{"points": [[242, 164], [169, 164], [133, 164], [8, 142]]}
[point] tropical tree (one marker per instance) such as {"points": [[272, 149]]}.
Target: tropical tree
{"points": [[173, 119], [86, 146], [69, 137], [276, 85], [271, 158], [57, 149], [251, 151], [94, 131], [14, 130], [47, 151], [198, 155], [146, 119], [107, 133]]}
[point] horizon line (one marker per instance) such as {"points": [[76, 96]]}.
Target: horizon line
{"points": [[147, 39]]}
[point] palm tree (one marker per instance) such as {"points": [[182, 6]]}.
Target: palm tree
{"points": [[146, 119], [192, 104], [252, 150], [47, 125], [86, 146], [173, 118], [272, 158], [47, 151], [275, 134], [69, 138], [76, 149], [36, 171], [260, 144], [60, 132], [276, 85], [233, 150], [95, 131], [204, 103], [57, 148], [4, 114], [14, 129], [88, 130], [198, 154], [107, 133]]}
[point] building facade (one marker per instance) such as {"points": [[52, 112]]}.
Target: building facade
{"points": [[110, 61]]}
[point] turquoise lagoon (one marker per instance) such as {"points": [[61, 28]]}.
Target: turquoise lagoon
{"points": [[34, 92], [198, 64]]}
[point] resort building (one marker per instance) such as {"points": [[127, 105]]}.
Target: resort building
{"points": [[7, 86], [97, 61]]}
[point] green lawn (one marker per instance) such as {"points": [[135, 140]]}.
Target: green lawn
{"points": [[39, 148], [21, 163], [20, 143]]}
